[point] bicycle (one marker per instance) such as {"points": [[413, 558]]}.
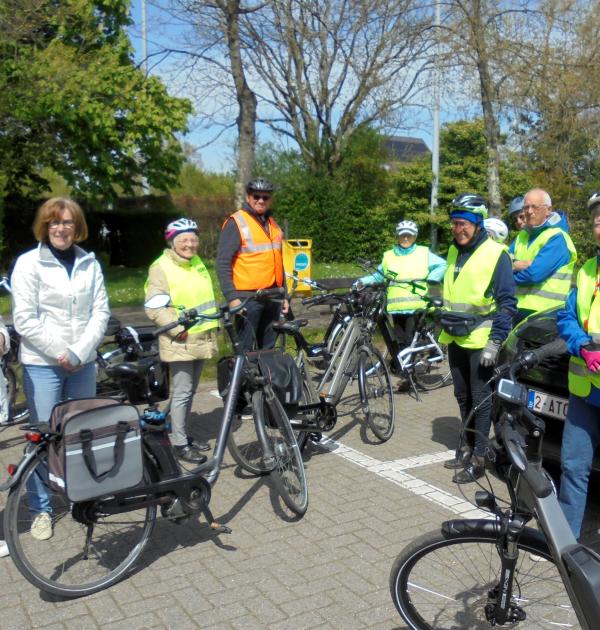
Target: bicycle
{"points": [[424, 361], [481, 573], [9, 363], [354, 357], [97, 542]]}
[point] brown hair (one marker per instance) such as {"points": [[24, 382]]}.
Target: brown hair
{"points": [[52, 210]]}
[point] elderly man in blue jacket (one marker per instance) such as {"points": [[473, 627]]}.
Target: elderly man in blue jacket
{"points": [[544, 256]]}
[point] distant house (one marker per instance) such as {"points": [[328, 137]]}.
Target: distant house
{"points": [[404, 149]]}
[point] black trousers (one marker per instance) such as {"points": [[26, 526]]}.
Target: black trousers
{"points": [[470, 390], [404, 328], [255, 328]]}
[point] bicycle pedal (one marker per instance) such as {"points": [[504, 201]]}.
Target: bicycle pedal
{"points": [[315, 437], [219, 528]]}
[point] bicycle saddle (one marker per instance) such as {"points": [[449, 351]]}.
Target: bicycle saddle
{"points": [[290, 327]]}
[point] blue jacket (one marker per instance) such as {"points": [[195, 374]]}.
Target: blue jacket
{"points": [[551, 257], [436, 266]]}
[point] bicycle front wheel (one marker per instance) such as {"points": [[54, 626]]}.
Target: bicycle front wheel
{"points": [[288, 471], [449, 580], [376, 393], [88, 550], [244, 445]]}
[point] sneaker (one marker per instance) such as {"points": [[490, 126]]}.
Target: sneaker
{"points": [[41, 528], [190, 454], [3, 549]]}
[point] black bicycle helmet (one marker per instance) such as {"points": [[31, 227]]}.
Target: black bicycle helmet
{"points": [[260, 184], [471, 201]]}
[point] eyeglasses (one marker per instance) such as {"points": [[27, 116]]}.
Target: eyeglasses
{"points": [[261, 197], [460, 224], [535, 206], [68, 224]]}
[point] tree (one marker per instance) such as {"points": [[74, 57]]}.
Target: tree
{"points": [[484, 39], [330, 67], [71, 99]]}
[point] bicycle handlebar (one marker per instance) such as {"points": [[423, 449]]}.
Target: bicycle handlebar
{"points": [[191, 315]]}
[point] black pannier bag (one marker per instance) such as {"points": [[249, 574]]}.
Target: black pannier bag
{"points": [[279, 368], [98, 450], [459, 324]]}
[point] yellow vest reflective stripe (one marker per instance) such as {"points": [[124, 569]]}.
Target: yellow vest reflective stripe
{"points": [[466, 293], [588, 314], [413, 266], [554, 290], [190, 286]]}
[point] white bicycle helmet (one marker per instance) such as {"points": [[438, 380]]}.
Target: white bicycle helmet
{"points": [[179, 226], [593, 201], [496, 229], [407, 227]]}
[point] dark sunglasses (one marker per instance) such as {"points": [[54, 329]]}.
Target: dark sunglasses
{"points": [[260, 197]]}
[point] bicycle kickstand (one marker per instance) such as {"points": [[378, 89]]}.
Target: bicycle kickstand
{"points": [[413, 385], [216, 527]]}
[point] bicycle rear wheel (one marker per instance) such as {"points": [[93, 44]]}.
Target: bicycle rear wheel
{"points": [[447, 579], [59, 565], [288, 472], [430, 376], [376, 393]]}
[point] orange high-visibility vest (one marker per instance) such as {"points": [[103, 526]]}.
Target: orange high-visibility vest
{"points": [[259, 263]]}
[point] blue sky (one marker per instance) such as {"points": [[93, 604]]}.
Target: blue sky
{"points": [[218, 155]]}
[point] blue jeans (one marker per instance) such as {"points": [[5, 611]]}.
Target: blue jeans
{"points": [[581, 437], [45, 386]]}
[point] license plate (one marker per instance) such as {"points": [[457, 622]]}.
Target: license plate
{"points": [[547, 405]]}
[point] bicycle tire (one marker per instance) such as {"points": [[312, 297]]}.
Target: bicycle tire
{"points": [[17, 412], [443, 579], [435, 375], [376, 392], [57, 565], [244, 447], [288, 472]]}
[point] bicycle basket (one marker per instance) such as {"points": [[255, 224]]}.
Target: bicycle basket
{"points": [[98, 450]]}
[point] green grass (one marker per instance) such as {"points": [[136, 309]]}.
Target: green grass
{"points": [[125, 285]]}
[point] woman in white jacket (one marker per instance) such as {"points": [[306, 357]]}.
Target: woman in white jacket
{"points": [[60, 309]]}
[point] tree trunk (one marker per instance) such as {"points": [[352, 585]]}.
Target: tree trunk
{"points": [[246, 119]]}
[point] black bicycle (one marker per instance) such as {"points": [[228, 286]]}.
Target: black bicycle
{"points": [[97, 542], [498, 571]]}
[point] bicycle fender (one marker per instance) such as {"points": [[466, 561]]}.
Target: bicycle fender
{"points": [[11, 481], [461, 527]]}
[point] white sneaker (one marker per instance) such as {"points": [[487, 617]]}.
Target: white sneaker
{"points": [[3, 549], [41, 528]]}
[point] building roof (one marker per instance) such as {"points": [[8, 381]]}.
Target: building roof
{"points": [[405, 148]]}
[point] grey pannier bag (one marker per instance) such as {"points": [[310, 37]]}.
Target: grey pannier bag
{"points": [[98, 450]]}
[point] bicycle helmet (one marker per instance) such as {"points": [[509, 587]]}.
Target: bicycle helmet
{"points": [[469, 206], [260, 185], [593, 201], [516, 205], [407, 227], [179, 226], [496, 229]]}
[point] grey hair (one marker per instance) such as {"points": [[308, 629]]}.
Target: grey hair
{"points": [[545, 195], [595, 212]]}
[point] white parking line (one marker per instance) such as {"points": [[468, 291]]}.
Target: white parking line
{"points": [[395, 471]]}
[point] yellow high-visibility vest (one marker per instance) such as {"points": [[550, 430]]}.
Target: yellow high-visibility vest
{"points": [[190, 286], [554, 290], [466, 293], [588, 314], [413, 266]]}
